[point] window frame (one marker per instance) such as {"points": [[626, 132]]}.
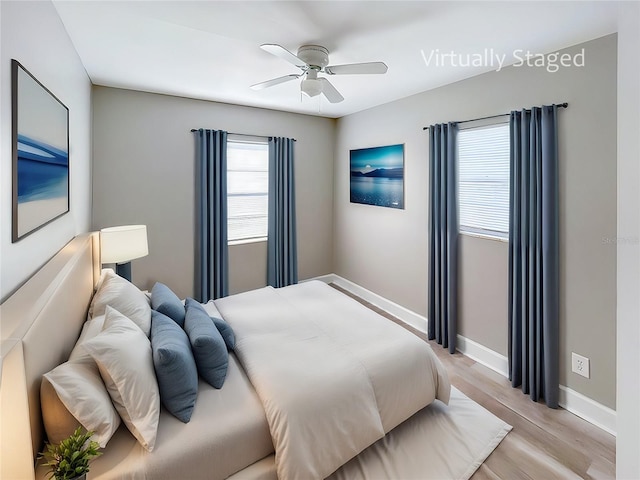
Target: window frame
{"points": [[472, 231], [246, 139]]}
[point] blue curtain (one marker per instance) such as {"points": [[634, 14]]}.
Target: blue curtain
{"points": [[533, 254], [443, 235], [212, 255], [282, 256]]}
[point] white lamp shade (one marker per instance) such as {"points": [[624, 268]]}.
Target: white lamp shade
{"points": [[123, 244], [311, 87]]}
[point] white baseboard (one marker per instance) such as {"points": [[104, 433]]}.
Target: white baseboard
{"points": [[590, 410], [483, 355], [330, 278], [593, 412], [572, 401]]}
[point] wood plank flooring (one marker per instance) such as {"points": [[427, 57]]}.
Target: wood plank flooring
{"points": [[544, 444]]}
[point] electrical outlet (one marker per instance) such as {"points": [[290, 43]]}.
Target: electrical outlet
{"points": [[580, 365]]}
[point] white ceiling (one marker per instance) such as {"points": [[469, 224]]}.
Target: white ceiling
{"points": [[210, 49]]}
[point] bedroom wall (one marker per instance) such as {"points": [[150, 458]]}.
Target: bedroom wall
{"points": [[392, 261], [143, 172], [55, 63]]}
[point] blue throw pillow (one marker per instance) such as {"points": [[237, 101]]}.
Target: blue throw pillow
{"points": [[226, 331], [175, 366], [163, 300], [209, 349]]}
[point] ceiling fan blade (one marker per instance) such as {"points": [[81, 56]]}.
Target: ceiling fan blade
{"points": [[356, 68], [274, 81], [283, 53], [330, 91]]}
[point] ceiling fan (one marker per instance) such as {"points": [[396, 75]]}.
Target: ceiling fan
{"points": [[312, 60]]}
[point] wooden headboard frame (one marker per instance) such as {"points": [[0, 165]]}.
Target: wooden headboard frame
{"points": [[39, 324]]}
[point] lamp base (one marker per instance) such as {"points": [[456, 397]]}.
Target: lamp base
{"points": [[124, 270]]}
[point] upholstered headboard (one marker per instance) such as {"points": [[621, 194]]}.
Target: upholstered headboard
{"points": [[39, 325]]}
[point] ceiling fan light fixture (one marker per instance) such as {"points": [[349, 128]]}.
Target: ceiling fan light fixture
{"points": [[312, 60], [312, 87]]}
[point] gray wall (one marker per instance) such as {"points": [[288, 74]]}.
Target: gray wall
{"points": [[143, 172], [56, 65], [385, 250], [248, 266], [482, 306]]}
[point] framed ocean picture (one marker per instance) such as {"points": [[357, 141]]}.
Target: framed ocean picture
{"points": [[377, 176], [40, 129]]}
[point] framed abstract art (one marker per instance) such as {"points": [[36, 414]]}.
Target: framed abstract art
{"points": [[40, 131]]}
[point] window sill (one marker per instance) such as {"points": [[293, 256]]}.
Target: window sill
{"points": [[486, 237], [246, 241]]}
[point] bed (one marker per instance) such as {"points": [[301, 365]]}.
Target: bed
{"points": [[300, 400]]}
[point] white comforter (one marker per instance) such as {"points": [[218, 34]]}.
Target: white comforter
{"points": [[333, 376]]}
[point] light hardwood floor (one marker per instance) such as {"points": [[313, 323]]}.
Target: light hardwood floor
{"points": [[544, 444]]}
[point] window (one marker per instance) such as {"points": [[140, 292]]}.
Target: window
{"points": [[483, 175], [247, 190]]}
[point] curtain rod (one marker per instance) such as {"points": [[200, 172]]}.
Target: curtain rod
{"points": [[244, 134], [559, 105]]}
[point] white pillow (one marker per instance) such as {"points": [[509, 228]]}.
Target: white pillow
{"points": [[211, 309], [90, 329], [79, 387], [124, 296], [123, 355]]}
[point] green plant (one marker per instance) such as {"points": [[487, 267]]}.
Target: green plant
{"points": [[70, 458]]}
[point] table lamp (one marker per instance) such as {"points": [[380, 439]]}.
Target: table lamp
{"points": [[122, 244]]}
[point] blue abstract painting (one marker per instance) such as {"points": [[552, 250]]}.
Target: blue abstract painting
{"points": [[41, 154], [377, 176]]}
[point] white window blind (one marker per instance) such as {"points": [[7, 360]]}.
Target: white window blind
{"points": [[483, 175], [247, 190]]}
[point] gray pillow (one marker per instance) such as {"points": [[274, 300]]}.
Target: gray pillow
{"points": [[209, 349], [174, 365], [163, 300], [226, 331]]}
